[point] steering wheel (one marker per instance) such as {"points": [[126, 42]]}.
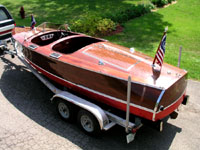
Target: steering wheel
{"points": [[63, 34]]}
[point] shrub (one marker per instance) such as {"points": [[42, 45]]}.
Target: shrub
{"points": [[151, 6], [105, 26], [159, 3], [92, 24], [85, 24], [129, 13], [169, 1]]}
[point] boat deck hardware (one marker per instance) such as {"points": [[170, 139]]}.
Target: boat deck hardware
{"points": [[32, 46], [55, 55]]}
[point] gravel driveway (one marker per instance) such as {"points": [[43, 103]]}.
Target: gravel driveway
{"points": [[29, 121]]}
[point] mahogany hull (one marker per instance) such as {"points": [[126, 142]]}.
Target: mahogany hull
{"points": [[79, 69], [109, 89]]}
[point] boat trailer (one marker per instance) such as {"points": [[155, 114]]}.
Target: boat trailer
{"points": [[91, 117]]}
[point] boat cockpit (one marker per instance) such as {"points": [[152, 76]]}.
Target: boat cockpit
{"points": [[47, 38], [73, 44], [49, 32], [76, 41]]}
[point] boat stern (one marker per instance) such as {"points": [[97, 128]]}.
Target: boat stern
{"points": [[170, 99]]}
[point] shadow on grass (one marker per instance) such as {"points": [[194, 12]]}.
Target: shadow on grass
{"points": [[32, 98], [143, 33], [63, 11]]}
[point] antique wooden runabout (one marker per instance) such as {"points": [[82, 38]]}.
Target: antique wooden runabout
{"points": [[105, 82], [99, 70]]}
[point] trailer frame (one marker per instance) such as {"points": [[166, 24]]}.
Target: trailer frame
{"points": [[105, 118]]}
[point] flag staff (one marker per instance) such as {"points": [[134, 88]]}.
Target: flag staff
{"points": [[160, 51], [33, 22]]}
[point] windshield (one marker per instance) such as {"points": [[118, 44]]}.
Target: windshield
{"points": [[47, 26]]}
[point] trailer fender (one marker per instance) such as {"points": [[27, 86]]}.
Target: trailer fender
{"points": [[82, 103]]}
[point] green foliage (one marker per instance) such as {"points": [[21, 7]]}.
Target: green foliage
{"points": [[170, 1], [105, 25], [144, 34], [85, 24], [151, 6], [160, 3], [92, 24], [129, 13]]}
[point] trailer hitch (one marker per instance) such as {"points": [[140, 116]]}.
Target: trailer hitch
{"points": [[4, 48]]}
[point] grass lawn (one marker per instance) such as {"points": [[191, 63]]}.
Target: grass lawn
{"points": [[183, 19], [62, 11], [143, 33]]}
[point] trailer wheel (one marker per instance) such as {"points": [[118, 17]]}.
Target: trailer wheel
{"points": [[65, 110], [88, 123], [1, 52], [2, 49]]}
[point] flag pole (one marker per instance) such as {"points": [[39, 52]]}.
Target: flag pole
{"points": [[159, 45]]}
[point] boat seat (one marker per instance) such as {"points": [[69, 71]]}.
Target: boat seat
{"points": [[50, 37], [71, 45]]}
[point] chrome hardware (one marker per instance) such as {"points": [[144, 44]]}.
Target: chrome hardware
{"points": [[101, 62], [132, 50], [55, 55], [32, 46], [169, 72]]}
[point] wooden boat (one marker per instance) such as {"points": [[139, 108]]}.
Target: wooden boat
{"points": [[99, 70]]}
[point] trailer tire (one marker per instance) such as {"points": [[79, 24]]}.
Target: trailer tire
{"points": [[1, 51], [88, 123], [65, 110]]}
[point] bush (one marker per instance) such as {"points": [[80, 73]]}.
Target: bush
{"points": [[85, 24], [105, 26], [129, 13], [151, 6], [92, 24], [170, 1], [159, 3]]}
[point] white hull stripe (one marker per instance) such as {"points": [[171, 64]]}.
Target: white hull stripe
{"points": [[93, 91]]}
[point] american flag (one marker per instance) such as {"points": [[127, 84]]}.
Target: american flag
{"points": [[161, 51], [33, 22]]}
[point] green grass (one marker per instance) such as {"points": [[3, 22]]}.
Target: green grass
{"points": [[62, 11], [143, 33], [183, 19]]}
